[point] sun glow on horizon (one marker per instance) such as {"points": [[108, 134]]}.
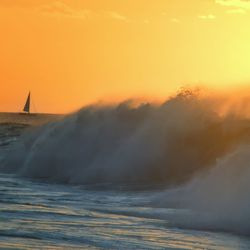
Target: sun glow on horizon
{"points": [[71, 53]]}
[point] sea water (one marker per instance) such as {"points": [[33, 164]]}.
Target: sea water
{"points": [[145, 177], [45, 216]]}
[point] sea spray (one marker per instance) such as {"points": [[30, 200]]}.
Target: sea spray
{"points": [[218, 199], [197, 154], [125, 144]]}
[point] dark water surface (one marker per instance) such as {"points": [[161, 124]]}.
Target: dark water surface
{"points": [[46, 216]]}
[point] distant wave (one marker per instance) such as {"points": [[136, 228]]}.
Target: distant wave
{"points": [[9, 132], [185, 144]]}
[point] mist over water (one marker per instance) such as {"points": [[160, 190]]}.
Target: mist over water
{"points": [[198, 154], [219, 197]]}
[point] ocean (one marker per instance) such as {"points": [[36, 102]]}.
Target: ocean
{"points": [[174, 176]]}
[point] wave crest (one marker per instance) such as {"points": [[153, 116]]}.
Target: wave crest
{"points": [[147, 144]]}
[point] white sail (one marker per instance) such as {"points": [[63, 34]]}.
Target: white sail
{"points": [[27, 104]]}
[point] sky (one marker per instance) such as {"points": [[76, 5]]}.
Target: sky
{"points": [[70, 53]]}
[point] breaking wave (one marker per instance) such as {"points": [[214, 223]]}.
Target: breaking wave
{"points": [[219, 199], [147, 144], [187, 144]]}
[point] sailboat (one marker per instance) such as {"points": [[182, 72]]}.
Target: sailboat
{"points": [[26, 108]]}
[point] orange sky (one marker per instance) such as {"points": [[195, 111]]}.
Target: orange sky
{"points": [[73, 52]]}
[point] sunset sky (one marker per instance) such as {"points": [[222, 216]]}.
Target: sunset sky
{"points": [[73, 52]]}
